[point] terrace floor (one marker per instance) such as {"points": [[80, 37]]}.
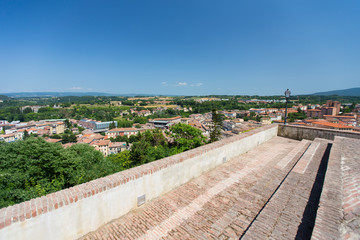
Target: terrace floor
{"points": [[282, 189], [260, 194]]}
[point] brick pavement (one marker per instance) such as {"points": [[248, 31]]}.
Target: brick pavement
{"points": [[285, 215], [220, 204], [350, 168]]}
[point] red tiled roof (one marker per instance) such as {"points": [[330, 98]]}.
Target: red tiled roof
{"points": [[42, 131], [123, 130], [101, 143], [298, 123], [334, 125], [86, 140], [116, 144], [8, 135], [53, 140], [339, 116], [66, 145], [167, 119]]}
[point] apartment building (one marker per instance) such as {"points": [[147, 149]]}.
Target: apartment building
{"points": [[113, 133]]}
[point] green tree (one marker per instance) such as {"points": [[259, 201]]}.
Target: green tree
{"points": [[155, 137], [138, 153], [112, 125], [141, 120], [55, 136], [133, 138], [34, 167], [186, 137], [217, 124], [125, 123], [299, 115], [68, 138], [27, 110], [68, 123], [29, 168], [26, 135], [121, 159]]}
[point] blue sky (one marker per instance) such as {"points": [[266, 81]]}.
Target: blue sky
{"points": [[184, 47]]}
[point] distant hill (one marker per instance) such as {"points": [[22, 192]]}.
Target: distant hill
{"points": [[344, 92], [3, 97], [66, 94]]}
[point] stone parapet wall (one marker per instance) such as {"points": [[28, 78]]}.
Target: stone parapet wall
{"points": [[310, 133], [73, 212]]}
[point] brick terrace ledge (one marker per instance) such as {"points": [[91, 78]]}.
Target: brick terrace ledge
{"points": [[38, 207]]}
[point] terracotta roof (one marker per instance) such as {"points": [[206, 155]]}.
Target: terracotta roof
{"points": [[8, 135], [298, 123], [98, 136], [86, 140], [66, 145], [123, 130], [42, 131], [167, 119], [53, 140], [339, 116], [101, 143], [314, 120], [334, 125], [117, 144]]}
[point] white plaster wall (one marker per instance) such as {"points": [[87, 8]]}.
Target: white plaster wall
{"points": [[88, 214]]}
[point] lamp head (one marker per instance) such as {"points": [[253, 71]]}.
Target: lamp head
{"points": [[287, 93]]}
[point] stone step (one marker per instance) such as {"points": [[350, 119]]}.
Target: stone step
{"points": [[285, 215]]}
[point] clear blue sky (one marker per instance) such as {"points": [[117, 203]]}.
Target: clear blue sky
{"points": [[190, 47]]}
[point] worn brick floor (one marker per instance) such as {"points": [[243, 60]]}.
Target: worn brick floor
{"points": [[221, 203], [290, 213], [350, 167]]}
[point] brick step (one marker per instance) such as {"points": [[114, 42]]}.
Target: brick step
{"points": [[267, 185], [286, 215], [338, 216]]}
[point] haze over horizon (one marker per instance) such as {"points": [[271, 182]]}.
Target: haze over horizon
{"points": [[179, 47]]}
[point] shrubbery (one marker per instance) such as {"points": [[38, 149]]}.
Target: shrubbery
{"points": [[33, 167]]}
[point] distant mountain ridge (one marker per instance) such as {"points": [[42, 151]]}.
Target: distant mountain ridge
{"points": [[67, 94], [345, 92]]}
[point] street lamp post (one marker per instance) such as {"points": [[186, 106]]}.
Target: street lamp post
{"points": [[287, 96]]}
